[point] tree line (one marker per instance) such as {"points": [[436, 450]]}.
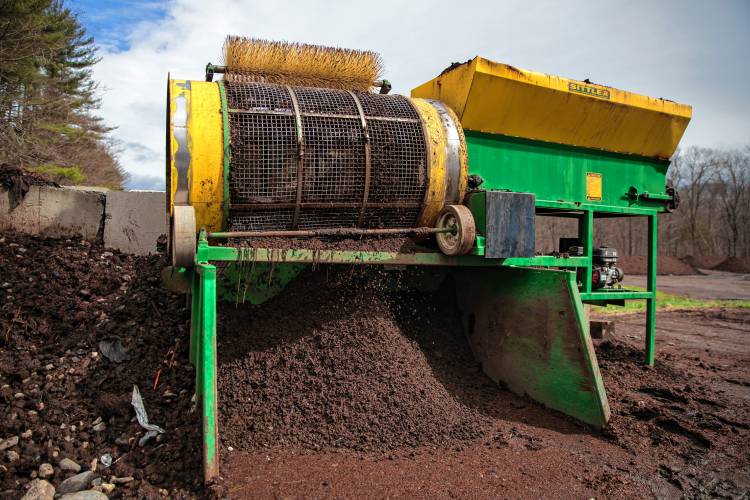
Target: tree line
{"points": [[48, 96]]}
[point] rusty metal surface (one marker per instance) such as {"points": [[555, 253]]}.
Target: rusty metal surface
{"points": [[330, 232], [312, 158]]}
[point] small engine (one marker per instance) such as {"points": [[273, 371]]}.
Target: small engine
{"points": [[604, 272]]}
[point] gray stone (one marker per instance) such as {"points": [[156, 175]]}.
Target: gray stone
{"points": [[46, 470], [85, 495], [8, 443], [121, 480], [134, 221], [67, 464], [39, 489], [11, 456], [75, 483], [101, 426]]}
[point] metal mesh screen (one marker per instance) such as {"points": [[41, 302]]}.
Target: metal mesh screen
{"points": [[398, 172], [322, 174], [258, 97], [325, 101], [387, 106], [263, 149], [334, 163]]}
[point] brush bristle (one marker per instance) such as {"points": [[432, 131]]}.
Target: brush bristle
{"points": [[256, 60]]}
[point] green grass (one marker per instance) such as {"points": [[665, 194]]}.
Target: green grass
{"points": [[73, 132], [666, 301], [58, 172]]}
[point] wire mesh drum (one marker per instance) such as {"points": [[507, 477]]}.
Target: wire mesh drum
{"points": [[312, 158]]}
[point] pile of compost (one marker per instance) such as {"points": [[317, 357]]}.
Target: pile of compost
{"points": [[703, 261], [79, 327], [735, 265], [665, 265], [339, 361]]}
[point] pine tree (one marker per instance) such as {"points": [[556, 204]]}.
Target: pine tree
{"points": [[48, 96]]}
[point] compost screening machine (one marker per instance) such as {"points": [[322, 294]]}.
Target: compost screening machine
{"points": [[300, 141]]}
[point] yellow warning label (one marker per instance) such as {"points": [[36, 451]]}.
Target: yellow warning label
{"points": [[593, 186]]}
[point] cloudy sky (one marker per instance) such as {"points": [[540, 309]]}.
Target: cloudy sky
{"points": [[695, 52]]}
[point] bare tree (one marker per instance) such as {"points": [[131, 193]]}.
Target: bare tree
{"points": [[696, 166], [733, 176]]}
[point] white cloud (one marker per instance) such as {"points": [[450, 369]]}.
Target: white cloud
{"points": [[687, 51]]}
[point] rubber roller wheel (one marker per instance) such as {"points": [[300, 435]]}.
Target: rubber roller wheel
{"points": [[461, 240], [183, 236]]}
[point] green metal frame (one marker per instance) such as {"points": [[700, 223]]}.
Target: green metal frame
{"points": [[556, 175], [203, 358], [204, 320]]}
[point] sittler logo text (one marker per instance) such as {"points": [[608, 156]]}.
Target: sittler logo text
{"points": [[588, 90]]}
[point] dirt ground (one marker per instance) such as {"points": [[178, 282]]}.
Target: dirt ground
{"points": [[386, 404], [710, 285], [679, 429]]}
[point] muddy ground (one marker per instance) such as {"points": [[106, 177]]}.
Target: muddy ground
{"points": [[709, 285], [387, 403]]}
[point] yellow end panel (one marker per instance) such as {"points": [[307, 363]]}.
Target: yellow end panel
{"points": [[505, 100], [436, 148], [205, 139], [447, 159]]}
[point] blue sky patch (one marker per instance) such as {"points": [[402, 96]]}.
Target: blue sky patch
{"points": [[111, 21]]}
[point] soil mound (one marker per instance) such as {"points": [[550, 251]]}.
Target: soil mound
{"points": [[666, 264], [703, 261], [337, 362], [58, 392], [735, 265]]}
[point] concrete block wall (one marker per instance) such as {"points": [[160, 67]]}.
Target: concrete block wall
{"points": [[134, 220], [130, 221], [56, 212]]}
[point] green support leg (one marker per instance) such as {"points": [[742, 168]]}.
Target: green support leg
{"points": [[206, 370], [195, 319], [651, 286], [586, 235]]}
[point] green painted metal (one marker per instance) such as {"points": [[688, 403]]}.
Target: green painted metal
{"points": [[615, 295], [586, 237], [205, 365], [653, 250], [253, 282], [528, 330], [225, 126], [301, 256], [557, 173]]}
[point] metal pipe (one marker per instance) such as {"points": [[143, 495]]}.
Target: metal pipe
{"points": [[312, 233]]}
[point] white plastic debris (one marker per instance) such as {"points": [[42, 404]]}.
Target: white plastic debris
{"points": [[142, 416], [106, 460]]}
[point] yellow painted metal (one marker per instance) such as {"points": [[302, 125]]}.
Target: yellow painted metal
{"points": [[438, 153], [205, 170], [500, 99], [593, 186]]}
